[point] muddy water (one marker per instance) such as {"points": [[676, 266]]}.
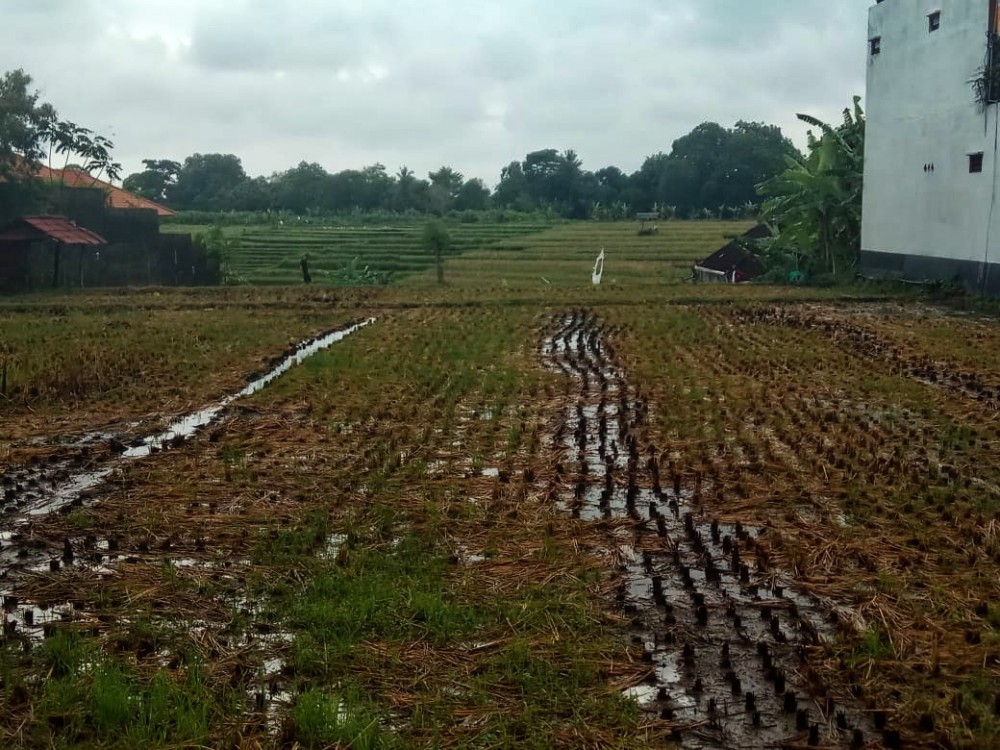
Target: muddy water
{"points": [[189, 424], [727, 637], [38, 490], [74, 475]]}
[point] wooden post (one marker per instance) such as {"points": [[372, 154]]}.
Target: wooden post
{"points": [[55, 265]]}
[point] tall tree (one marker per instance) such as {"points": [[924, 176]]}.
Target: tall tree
{"points": [[377, 188], [755, 152], [571, 188], [693, 175], [409, 193], [512, 191], [612, 184], [206, 182], [370, 189], [346, 191], [302, 188], [548, 179], [713, 167], [24, 124], [446, 184], [153, 181], [473, 196], [645, 183], [540, 173], [256, 194]]}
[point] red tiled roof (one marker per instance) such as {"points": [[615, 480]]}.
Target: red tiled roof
{"points": [[57, 227], [72, 177]]}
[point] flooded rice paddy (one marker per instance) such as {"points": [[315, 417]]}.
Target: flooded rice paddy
{"points": [[726, 635]]}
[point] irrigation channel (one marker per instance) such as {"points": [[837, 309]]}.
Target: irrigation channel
{"points": [[75, 477], [727, 637]]}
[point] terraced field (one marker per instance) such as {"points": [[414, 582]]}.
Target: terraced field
{"points": [[564, 255], [271, 255], [522, 255]]}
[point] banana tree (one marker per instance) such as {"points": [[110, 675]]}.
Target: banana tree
{"points": [[814, 206]]}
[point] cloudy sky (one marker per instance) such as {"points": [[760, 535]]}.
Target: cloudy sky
{"points": [[473, 84]]}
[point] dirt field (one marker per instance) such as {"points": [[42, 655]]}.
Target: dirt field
{"points": [[500, 515]]}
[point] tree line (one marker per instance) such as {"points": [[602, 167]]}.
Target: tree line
{"points": [[710, 172], [811, 202]]}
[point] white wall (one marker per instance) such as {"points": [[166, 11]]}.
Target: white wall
{"points": [[921, 110]]}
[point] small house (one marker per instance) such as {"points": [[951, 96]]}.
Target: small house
{"points": [[735, 263], [47, 251], [94, 234]]}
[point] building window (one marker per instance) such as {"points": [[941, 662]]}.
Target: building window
{"points": [[934, 21], [976, 163], [875, 45]]}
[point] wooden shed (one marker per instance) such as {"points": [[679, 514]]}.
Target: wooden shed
{"points": [[46, 251], [735, 262]]}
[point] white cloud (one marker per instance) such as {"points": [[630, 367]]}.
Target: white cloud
{"points": [[431, 82]]}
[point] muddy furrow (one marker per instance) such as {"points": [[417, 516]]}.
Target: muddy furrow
{"points": [[856, 339], [728, 638], [76, 472]]}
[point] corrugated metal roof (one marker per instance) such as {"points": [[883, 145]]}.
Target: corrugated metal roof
{"points": [[735, 256], [57, 227]]}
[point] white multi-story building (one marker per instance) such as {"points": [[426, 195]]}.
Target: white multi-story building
{"points": [[932, 151]]}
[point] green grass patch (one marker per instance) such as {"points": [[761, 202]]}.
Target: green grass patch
{"points": [[91, 699]]}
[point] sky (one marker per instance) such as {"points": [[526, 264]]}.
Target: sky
{"points": [[471, 84]]}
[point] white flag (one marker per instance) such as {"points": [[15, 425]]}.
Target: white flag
{"points": [[598, 269]]}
